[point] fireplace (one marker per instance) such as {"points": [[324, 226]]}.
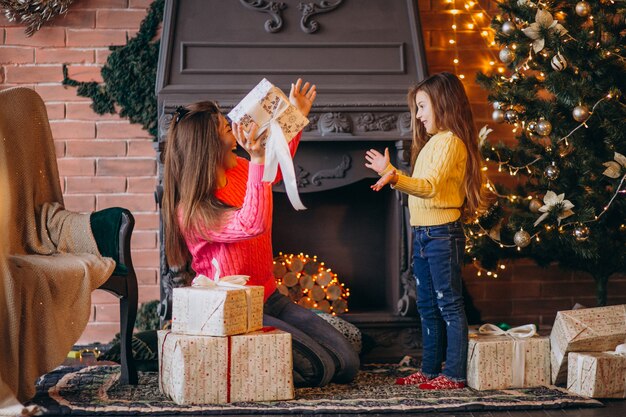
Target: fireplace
{"points": [[362, 55]]}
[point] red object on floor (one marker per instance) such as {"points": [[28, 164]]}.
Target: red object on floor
{"points": [[413, 379], [441, 383]]}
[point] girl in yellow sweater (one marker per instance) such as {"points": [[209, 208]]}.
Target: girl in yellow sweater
{"points": [[444, 189]]}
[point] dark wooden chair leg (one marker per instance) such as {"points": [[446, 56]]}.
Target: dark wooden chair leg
{"points": [[128, 313]]}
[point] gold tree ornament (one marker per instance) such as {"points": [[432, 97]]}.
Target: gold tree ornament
{"points": [[543, 23], [557, 204], [309, 283], [614, 168]]}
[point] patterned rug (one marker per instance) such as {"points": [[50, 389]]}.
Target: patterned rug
{"points": [[94, 390]]}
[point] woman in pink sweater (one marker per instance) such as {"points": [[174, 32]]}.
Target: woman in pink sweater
{"points": [[216, 206]]}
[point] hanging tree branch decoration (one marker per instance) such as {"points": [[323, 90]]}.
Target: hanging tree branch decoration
{"points": [[33, 13]]}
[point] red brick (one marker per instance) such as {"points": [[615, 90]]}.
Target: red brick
{"points": [[145, 258], [142, 184], [76, 19], [542, 306], [100, 4], [73, 129], [85, 73], [118, 19], [32, 74], [133, 202], [102, 55], [78, 185], [78, 148], [424, 5], [141, 148], [68, 56], [107, 313], [95, 37], [121, 129], [146, 276], [513, 290], [46, 37], [76, 166], [16, 55], [82, 203], [83, 111], [59, 92], [149, 293], [533, 272], [103, 297], [55, 111], [126, 166], [2, 76], [566, 289], [146, 221], [494, 307], [144, 240], [139, 4], [98, 332], [59, 148]]}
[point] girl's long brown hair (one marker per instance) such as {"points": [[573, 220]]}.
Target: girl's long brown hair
{"points": [[452, 111], [192, 154]]}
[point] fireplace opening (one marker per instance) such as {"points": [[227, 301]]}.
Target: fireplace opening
{"points": [[347, 228]]}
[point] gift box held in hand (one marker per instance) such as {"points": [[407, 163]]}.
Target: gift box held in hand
{"points": [[213, 370], [270, 109], [597, 374], [585, 330], [219, 307], [517, 358]]}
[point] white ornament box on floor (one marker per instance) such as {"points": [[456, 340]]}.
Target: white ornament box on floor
{"points": [[214, 370], [217, 310], [517, 358], [597, 374], [585, 330]]}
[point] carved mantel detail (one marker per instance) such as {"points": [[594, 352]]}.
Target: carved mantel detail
{"points": [[273, 8], [310, 9]]}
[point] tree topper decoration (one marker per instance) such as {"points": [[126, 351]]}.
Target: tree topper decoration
{"points": [[557, 204], [536, 30]]}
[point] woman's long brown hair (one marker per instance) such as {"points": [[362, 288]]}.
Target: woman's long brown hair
{"points": [[192, 154], [452, 111]]}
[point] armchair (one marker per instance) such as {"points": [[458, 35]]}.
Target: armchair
{"points": [[52, 258]]}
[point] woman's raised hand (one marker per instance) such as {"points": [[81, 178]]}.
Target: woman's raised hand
{"points": [[377, 161], [249, 140], [302, 96]]}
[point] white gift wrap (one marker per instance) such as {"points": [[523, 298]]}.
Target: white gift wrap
{"points": [[217, 311], [271, 110], [585, 330], [597, 374], [255, 366], [516, 358]]}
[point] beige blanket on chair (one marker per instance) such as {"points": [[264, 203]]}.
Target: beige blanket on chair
{"points": [[49, 260]]}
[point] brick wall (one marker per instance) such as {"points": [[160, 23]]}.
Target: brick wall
{"points": [[104, 161]]}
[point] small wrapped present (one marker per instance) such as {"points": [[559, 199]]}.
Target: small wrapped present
{"points": [[270, 109], [585, 330], [213, 370], [219, 307], [597, 374], [516, 358]]}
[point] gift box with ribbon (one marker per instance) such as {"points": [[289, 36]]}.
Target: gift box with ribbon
{"points": [[598, 374], [255, 366], [584, 330], [218, 307], [515, 358], [270, 109]]}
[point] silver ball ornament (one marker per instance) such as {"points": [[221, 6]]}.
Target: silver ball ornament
{"points": [[508, 27], [497, 116], [580, 113], [506, 55], [531, 126], [534, 205], [521, 239], [558, 62], [496, 105], [551, 172], [581, 233], [544, 127], [511, 116], [583, 8]]}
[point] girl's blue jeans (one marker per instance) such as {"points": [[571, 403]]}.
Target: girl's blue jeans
{"points": [[437, 259]]}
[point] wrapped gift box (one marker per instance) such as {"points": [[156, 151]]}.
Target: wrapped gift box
{"points": [[597, 374], [217, 311], [585, 330], [212, 370], [500, 362]]}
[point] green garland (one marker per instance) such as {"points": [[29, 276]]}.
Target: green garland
{"points": [[129, 76]]}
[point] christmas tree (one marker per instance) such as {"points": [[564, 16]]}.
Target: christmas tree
{"points": [[563, 93]]}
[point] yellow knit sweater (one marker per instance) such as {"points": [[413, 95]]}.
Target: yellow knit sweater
{"points": [[435, 189]]}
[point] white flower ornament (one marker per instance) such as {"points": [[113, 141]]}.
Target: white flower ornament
{"points": [[555, 202], [543, 21], [614, 168], [482, 135]]}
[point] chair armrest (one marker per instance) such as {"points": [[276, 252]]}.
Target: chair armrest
{"points": [[111, 229]]}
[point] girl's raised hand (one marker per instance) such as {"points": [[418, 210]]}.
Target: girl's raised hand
{"points": [[389, 177], [377, 161], [249, 140], [302, 96]]}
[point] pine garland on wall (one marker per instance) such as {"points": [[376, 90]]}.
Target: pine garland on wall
{"points": [[33, 13], [129, 76]]}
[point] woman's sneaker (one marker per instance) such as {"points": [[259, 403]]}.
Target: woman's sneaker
{"points": [[413, 379], [442, 382]]}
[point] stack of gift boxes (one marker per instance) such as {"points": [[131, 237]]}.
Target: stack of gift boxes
{"points": [[218, 351], [584, 351]]}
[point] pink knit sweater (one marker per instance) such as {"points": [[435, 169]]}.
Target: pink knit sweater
{"points": [[244, 243]]}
